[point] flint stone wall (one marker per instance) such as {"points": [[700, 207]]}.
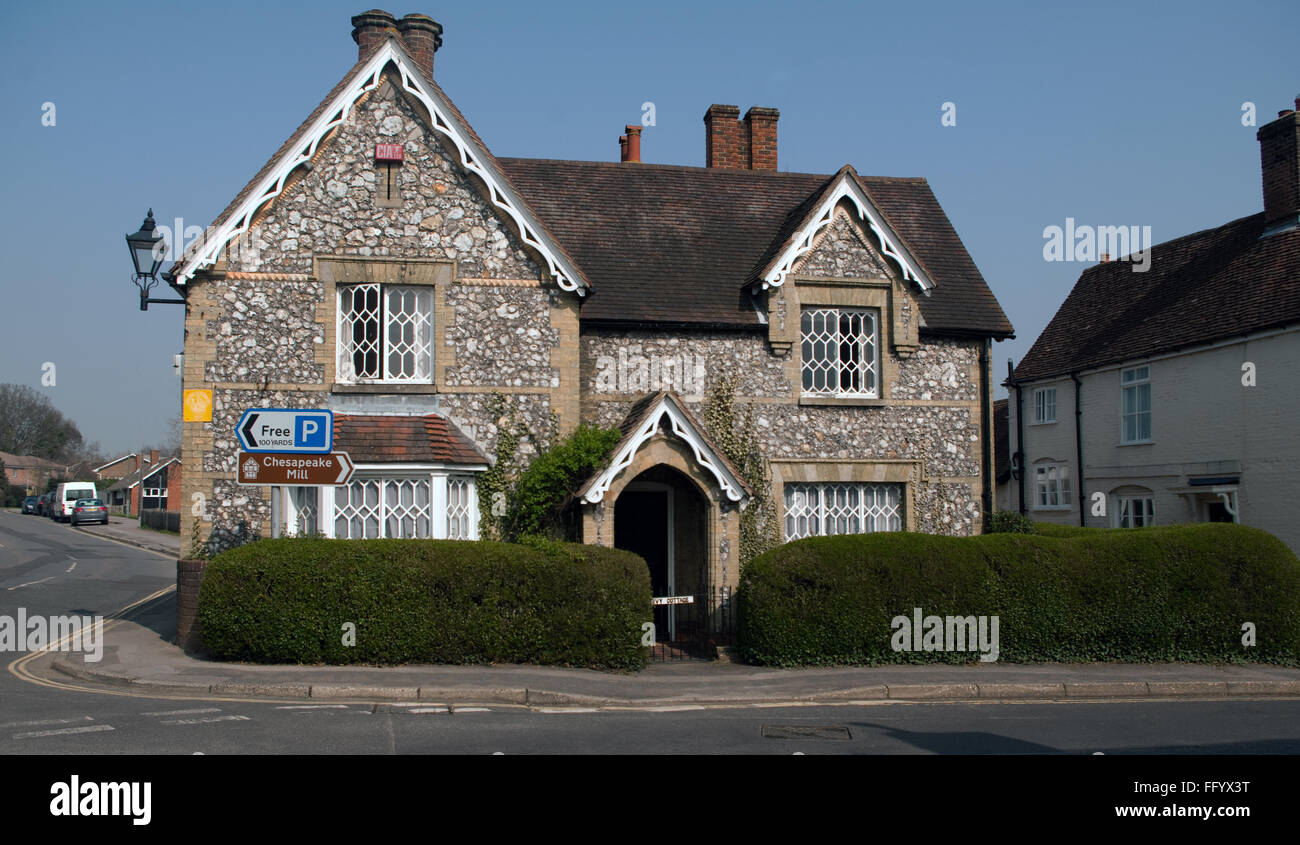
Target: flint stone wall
{"points": [[332, 210]]}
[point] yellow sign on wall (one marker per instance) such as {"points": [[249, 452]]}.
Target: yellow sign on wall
{"points": [[197, 406]]}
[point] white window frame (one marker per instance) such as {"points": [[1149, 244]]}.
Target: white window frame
{"points": [[1052, 490], [1127, 516], [1137, 386], [440, 479], [345, 372], [867, 368], [816, 508], [1044, 405]]}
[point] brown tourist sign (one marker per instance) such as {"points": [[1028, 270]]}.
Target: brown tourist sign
{"points": [[290, 469]]}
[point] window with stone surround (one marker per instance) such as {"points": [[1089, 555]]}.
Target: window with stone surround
{"points": [[1052, 486], [824, 509], [385, 334], [840, 352]]}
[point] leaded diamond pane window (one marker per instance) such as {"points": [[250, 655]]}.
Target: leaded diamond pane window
{"points": [[459, 515], [385, 333], [823, 509], [840, 352]]}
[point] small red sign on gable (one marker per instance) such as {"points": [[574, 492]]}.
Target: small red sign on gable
{"points": [[388, 152]]}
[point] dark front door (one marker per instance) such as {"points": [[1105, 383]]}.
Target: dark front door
{"points": [[641, 527]]}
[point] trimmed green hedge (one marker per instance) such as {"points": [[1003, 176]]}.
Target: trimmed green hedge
{"points": [[427, 601], [1178, 593]]}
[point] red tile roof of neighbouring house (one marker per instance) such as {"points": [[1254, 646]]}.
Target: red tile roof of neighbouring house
{"points": [[1207, 286], [426, 439]]}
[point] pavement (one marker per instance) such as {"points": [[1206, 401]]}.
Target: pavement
{"points": [[141, 658], [128, 530]]}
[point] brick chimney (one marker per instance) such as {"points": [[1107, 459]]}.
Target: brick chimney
{"points": [[370, 29], [760, 132], [153, 458], [722, 146], [1279, 155], [740, 145], [630, 144], [422, 36]]}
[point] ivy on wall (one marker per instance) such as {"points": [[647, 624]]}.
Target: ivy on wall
{"points": [[736, 435], [533, 500]]}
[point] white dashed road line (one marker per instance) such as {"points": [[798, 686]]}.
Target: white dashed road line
{"points": [[46, 722], [29, 583], [183, 712], [312, 707], [87, 729], [205, 721]]}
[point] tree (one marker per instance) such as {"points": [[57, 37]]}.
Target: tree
{"points": [[31, 425]]}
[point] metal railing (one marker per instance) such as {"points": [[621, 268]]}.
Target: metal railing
{"points": [[695, 631]]}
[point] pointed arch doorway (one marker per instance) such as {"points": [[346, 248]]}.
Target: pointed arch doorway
{"points": [[662, 517]]}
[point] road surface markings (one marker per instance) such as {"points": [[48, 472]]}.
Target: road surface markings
{"points": [[74, 564], [87, 729], [428, 710], [183, 712], [313, 707], [205, 721], [29, 583], [471, 710], [39, 722]]}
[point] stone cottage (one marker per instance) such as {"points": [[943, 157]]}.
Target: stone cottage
{"points": [[386, 266]]}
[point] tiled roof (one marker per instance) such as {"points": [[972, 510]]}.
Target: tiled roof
{"points": [[134, 477], [1203, 287], [427, 439], [668, 244]]}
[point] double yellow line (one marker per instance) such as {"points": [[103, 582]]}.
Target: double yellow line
{"points": [[19, 668]]}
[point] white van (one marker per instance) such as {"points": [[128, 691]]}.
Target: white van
{"points": [[66, 496]]}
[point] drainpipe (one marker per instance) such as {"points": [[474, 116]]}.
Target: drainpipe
{"points": [[1078, 447], [986, 433], [1018, 457]]}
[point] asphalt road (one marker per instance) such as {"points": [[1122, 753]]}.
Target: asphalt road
{"points": [[48, 568]]}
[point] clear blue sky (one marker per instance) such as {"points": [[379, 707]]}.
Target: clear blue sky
{"points": [[1111, 113]]}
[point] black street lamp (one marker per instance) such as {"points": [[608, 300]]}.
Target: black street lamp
{"points": [[147, 251]]}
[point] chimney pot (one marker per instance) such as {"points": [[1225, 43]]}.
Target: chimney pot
{"points": [[369, 29], [422, 36], [633, 143]]}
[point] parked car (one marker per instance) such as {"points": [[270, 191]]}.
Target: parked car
{"points": [[65, 498], [29, 504], [89, 510]]}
